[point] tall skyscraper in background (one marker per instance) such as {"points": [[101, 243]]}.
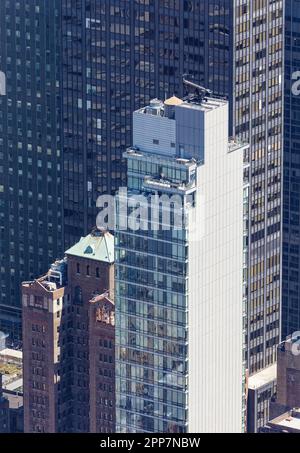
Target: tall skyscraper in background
{"points": [[180, 306], [30, 149], [258, 117], [117, 55]]}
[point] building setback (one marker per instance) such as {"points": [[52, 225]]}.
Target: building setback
{"points": [[180, 304], [56, 313], [288, 422], [262, 388]]}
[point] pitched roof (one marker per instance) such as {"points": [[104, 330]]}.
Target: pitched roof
{"points": [[98, 246], [173, 101]]}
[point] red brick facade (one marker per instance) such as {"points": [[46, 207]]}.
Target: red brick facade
{"points": [[42, 315], [102, 364], [64, 378]]}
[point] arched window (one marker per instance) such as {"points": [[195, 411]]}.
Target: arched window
{"points": [[78, 268], [97, 272], [87, 270]]}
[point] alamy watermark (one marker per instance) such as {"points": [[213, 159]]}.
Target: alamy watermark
{"points": [[143, 212], [296, 83]]}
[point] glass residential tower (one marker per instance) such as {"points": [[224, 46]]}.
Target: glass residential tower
{"points": [[180, 301]]}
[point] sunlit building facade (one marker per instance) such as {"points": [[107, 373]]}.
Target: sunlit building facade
{"points": [[179, 294]]}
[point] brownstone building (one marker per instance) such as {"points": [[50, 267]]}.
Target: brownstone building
{"points": [[90, 273], [56, 338], [284, 410], [288, 374], [102, 364]]}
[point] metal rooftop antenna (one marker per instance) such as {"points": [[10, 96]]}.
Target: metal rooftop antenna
{"points": [[195, 93]]}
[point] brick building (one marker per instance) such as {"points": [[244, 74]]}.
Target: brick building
{"points": [[56, 337], [284, 413], [288, 374], [102, 364], [43, 301]]}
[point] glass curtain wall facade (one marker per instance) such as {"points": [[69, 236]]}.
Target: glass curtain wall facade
{"points": [[258, 117], [30, 149], [152, 314], [117, 55]]}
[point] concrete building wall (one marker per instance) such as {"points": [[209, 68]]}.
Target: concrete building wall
{"points": [[216, 283], [163, 134]]}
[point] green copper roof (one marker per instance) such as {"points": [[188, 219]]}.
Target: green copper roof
{"points": [[98, 246]]}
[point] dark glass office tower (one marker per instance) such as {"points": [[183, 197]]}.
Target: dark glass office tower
{"points": [[30, 150], [258, 110], [291, 174], [117, 55]]}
